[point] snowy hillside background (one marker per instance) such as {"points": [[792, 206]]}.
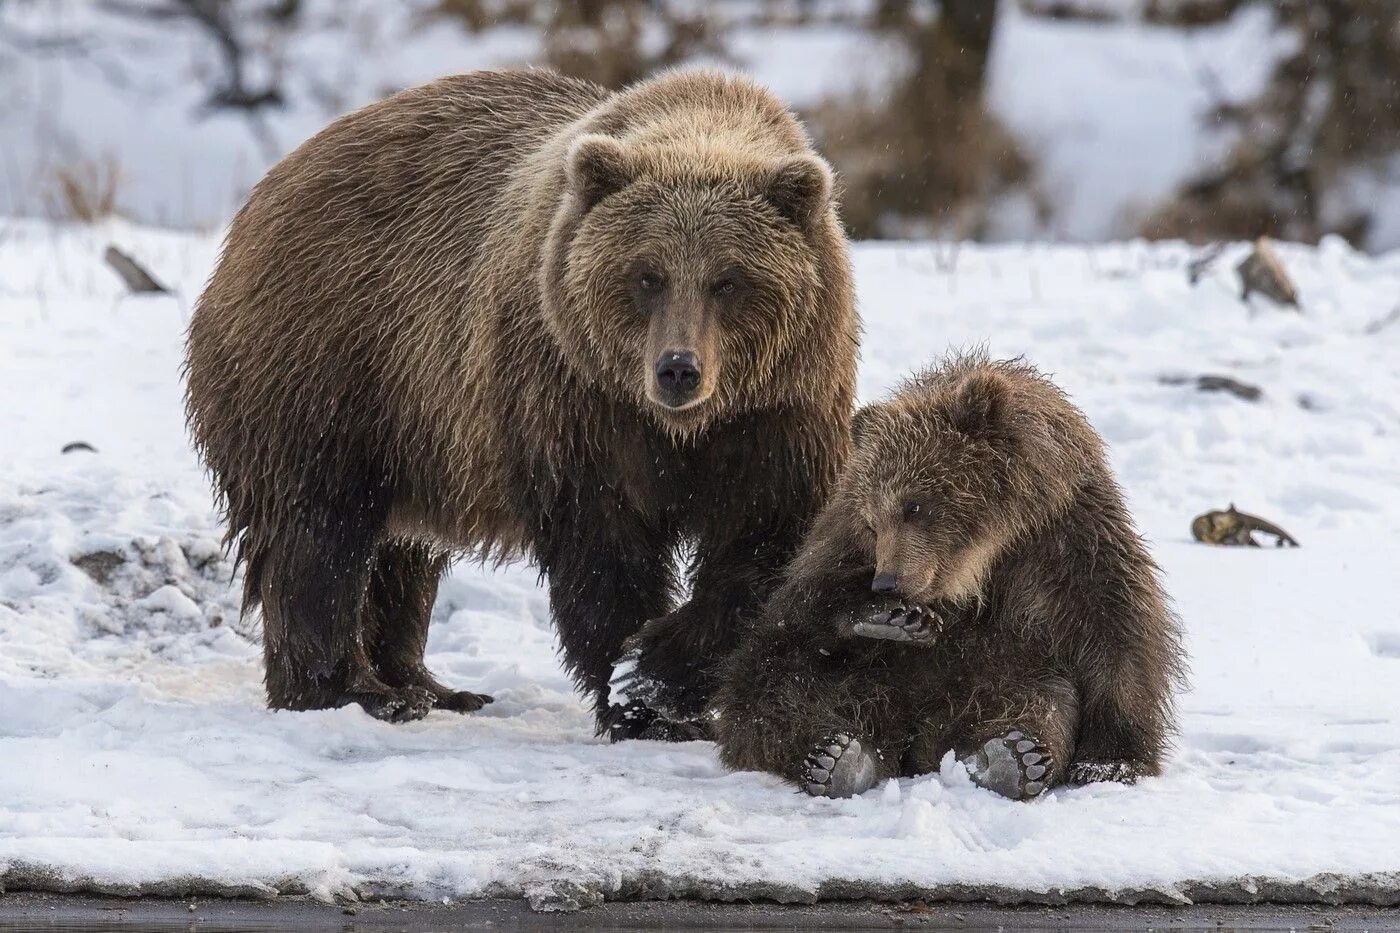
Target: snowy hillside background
{"points": [[1111, 108], [138, 755]]}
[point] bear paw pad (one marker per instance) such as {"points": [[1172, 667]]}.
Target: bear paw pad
{"points": [[838, 766], [1015, 765], [915, 624]]}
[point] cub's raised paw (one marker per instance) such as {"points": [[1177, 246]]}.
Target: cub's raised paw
{"points": [[838, 766], [914, 624], [397, 705], [1014, 765], [1105, 769]]}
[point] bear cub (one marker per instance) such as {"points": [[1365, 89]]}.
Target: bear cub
{"points": [[974, 584]]}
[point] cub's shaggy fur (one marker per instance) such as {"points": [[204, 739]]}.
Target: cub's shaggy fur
{"points": [[511, 313], [1021, 618]]}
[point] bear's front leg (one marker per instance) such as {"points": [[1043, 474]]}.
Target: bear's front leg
{"points": [[609, 571], [669, 665], [747, 500]]}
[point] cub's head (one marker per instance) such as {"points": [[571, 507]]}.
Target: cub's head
{"points": [[685, 277], [949, 472]]}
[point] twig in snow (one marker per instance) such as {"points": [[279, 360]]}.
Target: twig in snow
{"points": [[132, 273], [1201, 263]]}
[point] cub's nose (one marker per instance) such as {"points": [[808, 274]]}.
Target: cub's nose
{"points": [[678, 373], [884, 583]]}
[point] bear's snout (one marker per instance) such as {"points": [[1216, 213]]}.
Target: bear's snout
{"points": [[677, 376], [884, 583]]}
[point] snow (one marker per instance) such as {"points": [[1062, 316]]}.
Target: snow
{"points": [[136, 755], [1119, 115]]}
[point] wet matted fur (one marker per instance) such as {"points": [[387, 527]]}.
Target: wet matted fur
{"points": [[983, 493], [435, 329]]}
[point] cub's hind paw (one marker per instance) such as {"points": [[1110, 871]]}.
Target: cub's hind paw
{"points": [[1014, 765], [838, 766], [914, 624], [1094, 771]]}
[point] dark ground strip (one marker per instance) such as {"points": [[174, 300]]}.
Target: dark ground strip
{"points": [[24, 911]]}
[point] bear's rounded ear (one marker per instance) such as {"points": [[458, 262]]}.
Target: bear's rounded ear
{"points": [[978, 404], [862, 422], [596, 167], [800, 188]]}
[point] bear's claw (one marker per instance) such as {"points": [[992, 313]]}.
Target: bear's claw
{"points": [[838, 766], [915, 624], [1091, 772], [1014, 765]]}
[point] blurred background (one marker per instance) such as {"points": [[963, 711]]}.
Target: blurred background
{"points": [[1063, 120]]}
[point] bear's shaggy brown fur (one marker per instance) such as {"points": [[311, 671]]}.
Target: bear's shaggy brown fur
{"points": [[1017, 618], [510, 313]]}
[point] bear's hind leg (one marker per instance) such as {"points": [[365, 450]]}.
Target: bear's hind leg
{"points": [[1014, 741], [311, 581], [831, 727], [398, 606]]}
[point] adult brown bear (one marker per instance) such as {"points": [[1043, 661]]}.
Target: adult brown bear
{"points": [[510, 313]]}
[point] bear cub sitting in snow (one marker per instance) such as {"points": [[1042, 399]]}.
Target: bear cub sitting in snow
{"points": [[974, 584]]}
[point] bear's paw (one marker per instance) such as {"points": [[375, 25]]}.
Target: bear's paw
{"points": [[1015, 765], [838, 766], [918, 625]]}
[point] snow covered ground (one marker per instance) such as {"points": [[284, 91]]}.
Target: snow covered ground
{"points": [[136, 755]]}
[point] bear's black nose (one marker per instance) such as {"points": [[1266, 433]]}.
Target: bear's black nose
{"points": [[678, 372], [884, 583]]}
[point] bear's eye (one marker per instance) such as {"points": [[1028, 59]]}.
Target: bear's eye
{"points": [[724, 287], [650, 281], [912, 511]]}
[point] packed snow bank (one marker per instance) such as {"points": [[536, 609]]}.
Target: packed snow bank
{"points": [[136, 755]]}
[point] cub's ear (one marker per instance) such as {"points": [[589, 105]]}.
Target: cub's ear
{"points": [[979, 404], [862, 422], [800, 188], [596, 167]]}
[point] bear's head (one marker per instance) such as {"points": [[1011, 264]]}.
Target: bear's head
{"points": [[954, 468], [688, 277]]}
